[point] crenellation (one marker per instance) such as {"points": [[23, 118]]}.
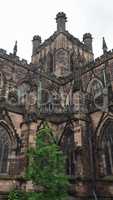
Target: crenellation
{"points": [[11, 57], [98, 61], [2, 51]]}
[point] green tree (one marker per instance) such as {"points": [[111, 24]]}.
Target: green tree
{"points": [[16, 195], [46, 170]]}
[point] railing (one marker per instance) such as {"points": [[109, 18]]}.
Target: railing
{"points": [[57, 109]]}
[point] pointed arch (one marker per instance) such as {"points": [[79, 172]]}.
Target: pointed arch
{"points": [[94, 86], [95, 91], [10, 129], [67, 139], [6, 144], [105, 147], [45, 132], [67, 145]]}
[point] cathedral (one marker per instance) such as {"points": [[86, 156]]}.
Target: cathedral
{"points": [[68, 88]]}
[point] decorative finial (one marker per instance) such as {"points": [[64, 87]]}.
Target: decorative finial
{"points": [[104, 46], [61, 20], [15, 48], [36, 42]]}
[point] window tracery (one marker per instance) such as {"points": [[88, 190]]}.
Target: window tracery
{"points": [[96, 91], [67, 146], [5, 146], [96, 88], [107, 149]]}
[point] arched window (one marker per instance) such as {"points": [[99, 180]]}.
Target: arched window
{"points": [[5, 144], [95, 89], [107, 148], [67, 146]]}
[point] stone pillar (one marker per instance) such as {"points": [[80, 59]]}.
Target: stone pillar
{"points": [[29, 131], [24, 136], [28, 135], [32, 134]]}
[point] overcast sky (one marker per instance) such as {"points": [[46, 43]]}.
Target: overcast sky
{"points": [[22, 19]]}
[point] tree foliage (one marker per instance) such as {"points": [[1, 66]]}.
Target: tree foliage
{"points": [[17, 195], [46, 168]]}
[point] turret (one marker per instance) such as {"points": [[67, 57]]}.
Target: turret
{"points": [[36, 43], [61, 20], [15, 49], [104, 46], [87, 39]]}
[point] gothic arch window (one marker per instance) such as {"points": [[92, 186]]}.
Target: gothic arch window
{"points": [[95, 89], [5, 147], [67, 146], [107, 148]]}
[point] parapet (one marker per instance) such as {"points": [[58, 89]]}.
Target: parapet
{"points": [[98, 61], [12, 58]]}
